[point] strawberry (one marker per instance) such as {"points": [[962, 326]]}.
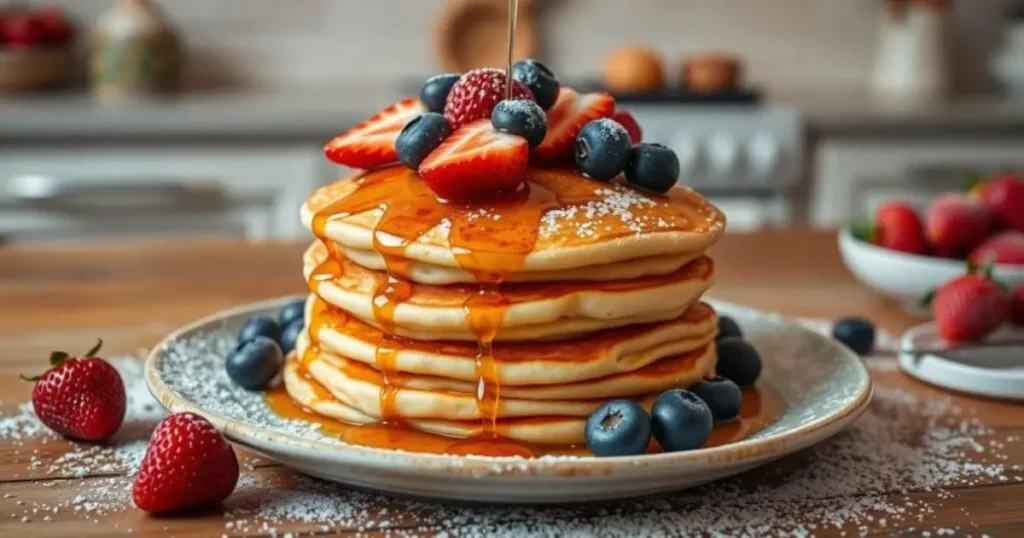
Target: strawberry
{"points": [[955, 224], [187, 464], [54, 27], [475, 161], [1017, 305], [372, 143], [1004, 195], [969, 307], [21, 32], [474, 95], [80, 397], [565, 120], [1004, 247], [897, 226], [625, 119]]}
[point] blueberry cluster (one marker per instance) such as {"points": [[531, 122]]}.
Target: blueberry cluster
{"points": [[263, 342], [679, 419], [603, 151]]}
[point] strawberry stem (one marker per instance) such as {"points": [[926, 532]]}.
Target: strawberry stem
{"points": [[865, 231], [58, 357], [33, 378], [926, 301], [95, 349]]}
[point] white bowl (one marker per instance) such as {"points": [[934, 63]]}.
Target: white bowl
{"points": [[907, 278]]}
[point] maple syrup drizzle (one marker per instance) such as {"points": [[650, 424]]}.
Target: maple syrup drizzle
{"points": [[762, 406], [489, 240]]}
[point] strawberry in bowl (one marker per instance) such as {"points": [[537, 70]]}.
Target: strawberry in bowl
{"points": [[905, 254]]}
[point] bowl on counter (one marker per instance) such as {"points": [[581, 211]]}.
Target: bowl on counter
{"points": [[907, 278], [34, 69]]}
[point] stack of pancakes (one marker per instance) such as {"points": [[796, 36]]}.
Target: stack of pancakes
{"points": [[515, 317]]}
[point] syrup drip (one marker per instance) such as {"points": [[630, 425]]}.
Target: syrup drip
{"points": [[490, 240]]}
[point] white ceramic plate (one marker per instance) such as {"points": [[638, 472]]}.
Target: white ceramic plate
{"points": [[825, 387]]}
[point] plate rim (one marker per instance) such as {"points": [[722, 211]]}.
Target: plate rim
{"points": [[747, 451]]}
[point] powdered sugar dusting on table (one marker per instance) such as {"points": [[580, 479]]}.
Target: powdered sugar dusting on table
{"points": [[869, 473]]}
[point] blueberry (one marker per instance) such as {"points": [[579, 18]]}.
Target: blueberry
{"points": [[722, 396], [259, 326], [295, 310], [252, 365], [738, 361], [727, 328], [602, 149], [421, 136], [653, 167], [290, 335], [618, 428], [521, 117], [857, 333], [680, 420], [539, 79], [434, 92]]}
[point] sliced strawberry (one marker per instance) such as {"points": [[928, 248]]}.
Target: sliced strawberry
{"points": [[476, 161], [372, 143], [565, 120]]}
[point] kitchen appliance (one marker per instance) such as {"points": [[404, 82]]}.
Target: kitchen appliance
{"points": [[746, 159]]}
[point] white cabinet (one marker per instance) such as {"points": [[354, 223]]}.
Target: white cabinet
{"points": [[69, 192], [853, 176]]}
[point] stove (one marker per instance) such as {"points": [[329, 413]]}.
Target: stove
{"points": [[745, 158]]}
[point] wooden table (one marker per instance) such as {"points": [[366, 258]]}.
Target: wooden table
{"points": [[63, 297]]}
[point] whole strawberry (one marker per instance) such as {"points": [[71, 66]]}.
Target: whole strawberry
{"points": [[955, 224], [80, 397], [897, 226], [1005, 247], [968, 308], [188, 464], [1004, 196], [474, 95]]}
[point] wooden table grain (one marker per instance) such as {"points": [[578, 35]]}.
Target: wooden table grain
{"points": [[63, 296]]}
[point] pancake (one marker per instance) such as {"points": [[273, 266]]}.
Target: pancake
{"points": [[436, 274], [560, 431], [558, 221], [528, 311], [516, 363], [360, 385]]}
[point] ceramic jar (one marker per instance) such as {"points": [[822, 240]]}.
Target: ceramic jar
{"points": [[135, 52]]}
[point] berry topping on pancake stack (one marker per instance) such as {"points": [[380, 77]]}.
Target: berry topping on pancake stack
{"points": [[466, 137]]}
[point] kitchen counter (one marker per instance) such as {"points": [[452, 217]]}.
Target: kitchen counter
{"points": [[320, 115], [58, 297]]}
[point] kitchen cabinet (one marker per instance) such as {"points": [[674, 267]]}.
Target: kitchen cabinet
{"points": [[853, 176], [110, 190]]}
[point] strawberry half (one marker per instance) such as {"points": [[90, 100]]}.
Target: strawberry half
{"points": [[372, 143], [565, 120], [476, 161]]}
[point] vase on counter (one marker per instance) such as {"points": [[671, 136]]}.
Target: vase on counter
{"points": [[912, 51], [135, 52]]}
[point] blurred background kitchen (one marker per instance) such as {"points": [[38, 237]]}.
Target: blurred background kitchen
{"points": [[208, 117]]}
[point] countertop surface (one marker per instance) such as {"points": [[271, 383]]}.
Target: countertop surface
{"points": [[315, 116], [62, 297]]}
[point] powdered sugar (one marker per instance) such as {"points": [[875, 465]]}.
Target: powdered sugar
{"points": [[612, 206], [869, 475]]}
